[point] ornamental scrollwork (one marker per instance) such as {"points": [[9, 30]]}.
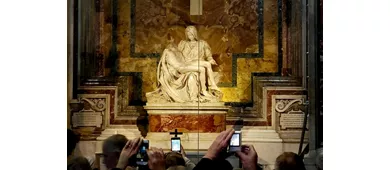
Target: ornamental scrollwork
{"points": [[96, 104], [282, 105]]}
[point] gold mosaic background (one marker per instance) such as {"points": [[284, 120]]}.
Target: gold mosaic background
{"points": [[229, 26]]}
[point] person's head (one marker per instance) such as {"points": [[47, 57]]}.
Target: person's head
{"points": [[191, 33], [142, 124], [174, 159], [177, 167], [72, 140], [289, 161], [79, 163], [112, 148]]}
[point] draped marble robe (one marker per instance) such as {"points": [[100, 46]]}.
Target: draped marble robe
{"points": [[176, 86], [184, 73]]}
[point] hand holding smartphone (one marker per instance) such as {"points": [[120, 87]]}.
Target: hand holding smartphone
{"points": [[142, 156], [175, 144], [235, 142]]}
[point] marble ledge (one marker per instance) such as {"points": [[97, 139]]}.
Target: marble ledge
{"points": [[293, 136], [247, 136], [186, 108], [219, 104], [122, 127], [247, 123], [218, 108], [252, 136], [268, 136], [186, 112], [130, 131], [248, 133]]}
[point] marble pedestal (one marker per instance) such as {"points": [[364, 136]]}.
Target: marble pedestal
{"points": [[187, 117]]}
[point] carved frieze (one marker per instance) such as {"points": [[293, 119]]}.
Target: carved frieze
{"points": [[92, 113], [289, 113], [91, 116]]}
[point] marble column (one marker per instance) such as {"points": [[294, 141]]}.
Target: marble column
{"points": [[313, 82], [70, 26]]}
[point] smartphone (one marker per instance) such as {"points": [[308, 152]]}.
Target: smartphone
{"points": [[175, 144], [142, 156], [235, 142]]}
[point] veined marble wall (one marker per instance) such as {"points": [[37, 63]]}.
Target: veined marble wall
{"points": [[131, 34], [235, 29]]}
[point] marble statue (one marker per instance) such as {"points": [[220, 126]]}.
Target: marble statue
{"points": [[185, 74]]}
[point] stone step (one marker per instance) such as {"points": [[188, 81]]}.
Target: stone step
{"points": [[120, 131], [260, 135], [249, 134], [130, 131]]}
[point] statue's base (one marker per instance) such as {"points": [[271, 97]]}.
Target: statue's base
{"points": [[187, 117]]}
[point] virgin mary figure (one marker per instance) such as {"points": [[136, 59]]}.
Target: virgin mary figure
{"points": [[184, 73]]}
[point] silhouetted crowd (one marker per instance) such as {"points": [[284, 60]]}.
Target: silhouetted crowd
{"points": [[119, 153]]}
